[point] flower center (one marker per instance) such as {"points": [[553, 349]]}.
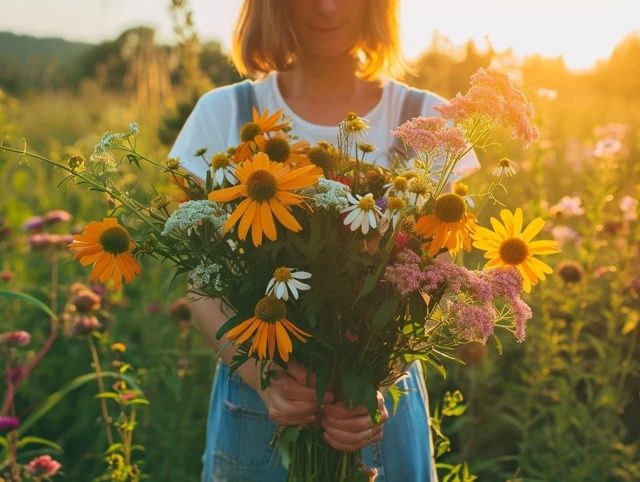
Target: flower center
{"points": [[449, 208], [220, 161], [513, 251], [367, 203], [395, 203], [282, 274], [115, 240], [249, 131], [418, 185], [400, 183], [262, 185], [270, 309], [277, 149], [320, 156], [504, 162]]}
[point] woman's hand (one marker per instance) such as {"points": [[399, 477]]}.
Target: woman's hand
{"points": [[291, 398], [352, 429]]}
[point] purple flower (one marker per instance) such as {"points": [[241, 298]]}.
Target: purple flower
{"points": [[35, 223], [7, 424], [382, 203]]}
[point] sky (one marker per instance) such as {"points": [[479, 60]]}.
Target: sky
{"points": [[582, 31]]}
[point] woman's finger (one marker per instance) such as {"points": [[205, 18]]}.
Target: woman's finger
{"points": [[340, 410], [354, 424]]}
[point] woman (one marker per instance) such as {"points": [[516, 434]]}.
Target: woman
{"points": [[317, 60]]}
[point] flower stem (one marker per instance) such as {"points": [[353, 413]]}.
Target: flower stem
{"points": [[103, 402]]}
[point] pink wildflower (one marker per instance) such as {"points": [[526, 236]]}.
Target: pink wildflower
{"points": [[57, 216], [405, 275], [493, 97], [521, 313], [431, 134], [568, 206], [15, 338], [43, 466], [629, 208], [473, 322]]}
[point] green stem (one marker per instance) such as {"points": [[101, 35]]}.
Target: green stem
{"points": [[103, 402], [84, 178]]}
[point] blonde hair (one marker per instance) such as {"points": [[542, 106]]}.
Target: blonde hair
{"points": [[264, 39]]}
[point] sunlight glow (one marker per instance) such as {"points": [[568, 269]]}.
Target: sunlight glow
{"points": [[582, 31]]}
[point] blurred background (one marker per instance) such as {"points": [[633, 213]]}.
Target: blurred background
{"points": [[562, 406]]}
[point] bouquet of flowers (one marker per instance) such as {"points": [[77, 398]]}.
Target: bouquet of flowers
{"points": [[330, 259]]}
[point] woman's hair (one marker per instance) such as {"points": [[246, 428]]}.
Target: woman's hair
{"points": [[264, 39]]}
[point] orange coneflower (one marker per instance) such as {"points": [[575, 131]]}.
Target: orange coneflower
{"points": [[252, 133], [278, 149], [266, 187], [271, 329], [449, 224], [107, 246], [508, 245]]}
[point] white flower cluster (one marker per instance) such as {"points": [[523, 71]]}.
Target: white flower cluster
{"points": [[191, 214], [327, 195], [207, 276], [106, 141]]}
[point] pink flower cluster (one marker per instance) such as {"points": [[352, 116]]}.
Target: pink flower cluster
{"points": [[431, 134], [493, 96], [43, 466], [473, 318]]}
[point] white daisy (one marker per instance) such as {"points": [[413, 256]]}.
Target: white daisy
{"points": [[363, 213], [395, 208], [397, 187], [285, 280], [222, 168], [505, 167]]}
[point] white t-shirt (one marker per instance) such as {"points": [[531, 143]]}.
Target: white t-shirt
{"points": [[212, 124]]}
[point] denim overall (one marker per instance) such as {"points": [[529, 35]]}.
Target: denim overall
{"points": [[239, 431]]}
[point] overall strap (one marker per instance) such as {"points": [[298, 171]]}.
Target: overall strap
{"points": [[411, 108], [246, 97]]}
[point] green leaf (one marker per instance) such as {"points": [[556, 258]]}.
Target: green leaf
{"points": [[30, 439], [385, 314], [369, 284], [56, 397], [396, 394], [28, 299], [437, 365], [498, 343], [284, 441], [107, 395]]}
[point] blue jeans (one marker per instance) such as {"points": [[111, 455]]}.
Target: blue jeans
{"points": [[239, 433]]}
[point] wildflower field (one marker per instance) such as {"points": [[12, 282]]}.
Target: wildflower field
{"points": [[101, 382]]}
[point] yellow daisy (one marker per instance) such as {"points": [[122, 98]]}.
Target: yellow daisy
{"points": [[449, 224], [107, 246], [270, 328], [266, 187], [252, 133], [508, 245]]}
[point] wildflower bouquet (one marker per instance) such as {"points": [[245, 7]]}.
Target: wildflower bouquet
{"points": [[330, 259]]}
